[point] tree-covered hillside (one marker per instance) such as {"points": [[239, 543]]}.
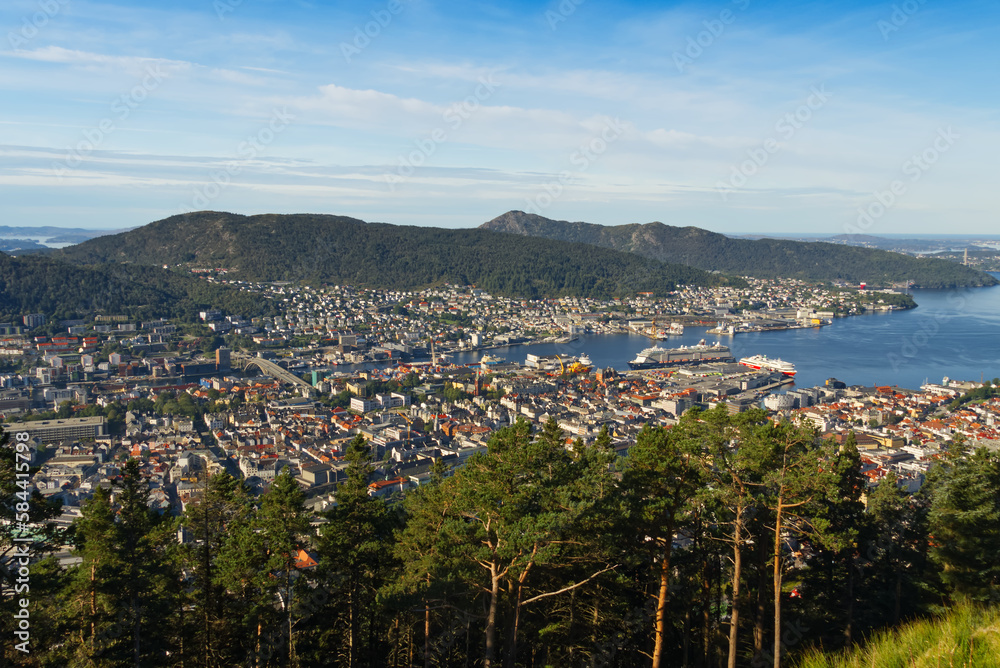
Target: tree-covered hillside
{"points": [[45, 285], [337, 249], [761, 258]]}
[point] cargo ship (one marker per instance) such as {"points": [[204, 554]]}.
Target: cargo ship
{"points": [[764, 363], [657, 357]]}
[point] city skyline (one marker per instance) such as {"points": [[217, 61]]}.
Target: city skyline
{"points": [[734, 117]]}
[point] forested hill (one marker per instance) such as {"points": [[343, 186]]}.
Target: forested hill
{"points": [[338, 249], [761, 258], [42, 285]]}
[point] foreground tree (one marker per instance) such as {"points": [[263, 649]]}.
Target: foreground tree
{"points": [[124, 591], [965, 522], [513, 524], [225, 501], [355, 563], [661, 479]]}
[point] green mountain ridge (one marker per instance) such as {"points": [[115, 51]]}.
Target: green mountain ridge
{"points": [[339, 249], [761, 258]]}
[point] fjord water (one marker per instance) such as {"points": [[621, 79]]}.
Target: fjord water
{"points": [[954, 333]]}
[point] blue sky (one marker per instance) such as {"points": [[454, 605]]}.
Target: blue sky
{"points": [[737, 116]]}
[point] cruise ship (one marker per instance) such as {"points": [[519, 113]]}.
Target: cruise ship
{"points": [[657, 357], [764, 363]]}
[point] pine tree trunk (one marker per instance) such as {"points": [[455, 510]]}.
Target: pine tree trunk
{"points": [[256, 647], [899, 596], [288, 611], [427, 635], [849, 625], [760, 625], [512, 645], [491, 618], [687, 638], [777, 587], [734, 616], [515, 625], [207, 566], [93, 603], [706, 609], [136, 625], [661, 605], [351, 630]]}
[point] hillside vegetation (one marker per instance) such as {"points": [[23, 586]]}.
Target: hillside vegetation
{"points": [[337, 249], [761, 258], [967, 637], [44, 285]]}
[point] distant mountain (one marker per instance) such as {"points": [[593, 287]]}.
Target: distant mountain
{"points": [[337, 249], [43, 237], [906, 245], [9, 245], [761, 258], [36, 284]]}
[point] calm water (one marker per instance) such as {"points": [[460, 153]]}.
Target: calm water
{"points": [[954, 333]]}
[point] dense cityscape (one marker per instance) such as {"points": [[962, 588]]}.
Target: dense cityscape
{"points": [[348, 391], [580, 334]]}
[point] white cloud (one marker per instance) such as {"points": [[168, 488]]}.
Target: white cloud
{"points": [[88, 60]]}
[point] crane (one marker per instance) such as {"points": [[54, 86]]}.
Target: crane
{"points": [[652, 332], [409, 426]]}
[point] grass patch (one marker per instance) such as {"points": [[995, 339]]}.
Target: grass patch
{"points": [[966, 637]]}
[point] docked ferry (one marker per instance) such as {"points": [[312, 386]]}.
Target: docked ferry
{"points": [[764, 363]]}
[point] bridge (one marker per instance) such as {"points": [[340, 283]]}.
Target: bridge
{"points": [[271, 369]]}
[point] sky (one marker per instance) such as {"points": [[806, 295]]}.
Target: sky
{"points": [[738, 116]]}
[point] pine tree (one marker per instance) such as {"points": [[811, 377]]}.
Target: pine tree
{"points": [[965, 522], [662, 478], [425, 579], [126, 586], [224, 500], [242, 571], [510, 513], [92, 593], [736, 476], [796, 488], [356, 560], [846, 516], [896, 553], [283, 526]]}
